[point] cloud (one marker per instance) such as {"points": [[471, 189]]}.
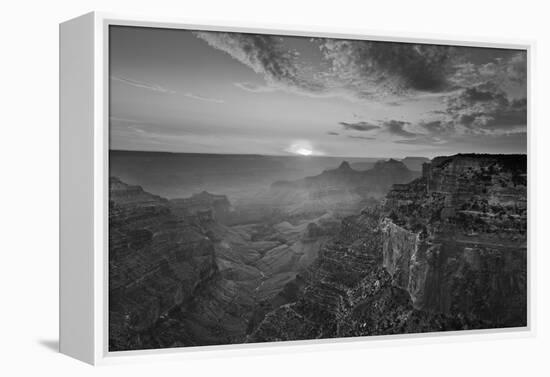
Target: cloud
{"points": [[143, 85], [517, 68], [503, 72], [382, 68], [160, 89], [249, 87], [480, 90], [492, 102], [333, 133], [434, 127], [397, 127], [206, 99], [482, 112], [348, 68], [358, 126], [486, 107], [267, 56]]}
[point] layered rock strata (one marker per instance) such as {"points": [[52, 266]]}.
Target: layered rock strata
{"points": [[455, 238], [446, 251], [180, 277]]}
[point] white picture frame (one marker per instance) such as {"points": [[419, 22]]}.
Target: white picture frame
{"points": [[84, 143]]}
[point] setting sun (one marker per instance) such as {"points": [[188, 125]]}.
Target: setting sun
{"points": [[304, 152], [303, 148]]}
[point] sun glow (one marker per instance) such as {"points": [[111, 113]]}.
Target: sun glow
{"points": [[304, 152], [303, 148]]}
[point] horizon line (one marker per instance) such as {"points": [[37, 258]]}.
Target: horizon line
{"points": [[315, 156], [252, 154]]}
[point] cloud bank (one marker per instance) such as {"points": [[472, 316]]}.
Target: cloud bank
{"points": [[480, 91], [265, 55], [381, 68]]}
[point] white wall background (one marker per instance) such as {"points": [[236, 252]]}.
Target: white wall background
{"points": [[29, 188]]}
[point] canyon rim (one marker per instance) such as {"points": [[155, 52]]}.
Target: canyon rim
{"points": [[268, 188]]}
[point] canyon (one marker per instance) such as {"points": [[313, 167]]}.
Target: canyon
{"points": [[444, 252], [347, 252], [178, 276]]}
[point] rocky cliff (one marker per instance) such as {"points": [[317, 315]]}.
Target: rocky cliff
{"points": [[455, 239], [180, 277], [443, 252], [347, 292], [157, 261]]}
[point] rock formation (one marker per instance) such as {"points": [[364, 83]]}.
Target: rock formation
{"points": [[180, 277], [157, 261], [347, 292], [374, 182], [444, 252], [216, 206], [415, 163], [342, 191], [455, 239]]}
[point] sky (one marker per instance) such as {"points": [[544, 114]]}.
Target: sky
{"points": [[214, 92]]}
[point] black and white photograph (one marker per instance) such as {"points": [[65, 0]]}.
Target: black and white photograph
{"points": [[272, 188], [275, 189]]}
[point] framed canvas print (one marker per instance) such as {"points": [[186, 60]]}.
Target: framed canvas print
{"points": [[225, 188]]}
